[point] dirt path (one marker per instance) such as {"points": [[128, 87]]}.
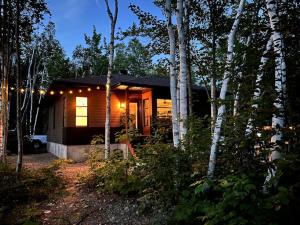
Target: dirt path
{"points": [[81, 206]]}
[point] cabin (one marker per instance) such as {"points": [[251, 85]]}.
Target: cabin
{"points": [[77, 107]]}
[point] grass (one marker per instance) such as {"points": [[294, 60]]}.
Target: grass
{"points": [[21, 196]]}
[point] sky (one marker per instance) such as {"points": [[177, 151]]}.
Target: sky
{"points": [[73, 18]]}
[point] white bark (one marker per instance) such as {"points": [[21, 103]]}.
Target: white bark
{"points": [[240, 74], [280, 87], [28, 79], [173, 80], [113, 20], [226, 79], [182, 73], [257, 90], [39, 101], [280, 74]]}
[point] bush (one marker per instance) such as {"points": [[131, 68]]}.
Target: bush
{"points": [[29, 187]]}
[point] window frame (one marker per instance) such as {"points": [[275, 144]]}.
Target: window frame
{"points": [[80, 116]]}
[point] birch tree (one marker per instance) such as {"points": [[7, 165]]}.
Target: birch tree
{"points": [[172, 68], [113, 21], [280, 76], [18, 98], [239, 77], [226, 79], [257, 89], [278, 122], [182, 71]]}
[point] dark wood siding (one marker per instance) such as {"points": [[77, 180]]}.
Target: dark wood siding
{"points": [[65, 129], [55, 128]]}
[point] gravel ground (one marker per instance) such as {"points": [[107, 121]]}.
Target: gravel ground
{"points": [[86, 207], [34, 161]]}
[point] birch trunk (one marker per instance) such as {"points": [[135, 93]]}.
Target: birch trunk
{"points": [[39, 102], [257, 90], [113, 20], [278, 122], [28, 79], [280, 75], [182, 72], [18, 99], [213, 108], [4, 110], [173, 80], [240, 74], [226, 79]]}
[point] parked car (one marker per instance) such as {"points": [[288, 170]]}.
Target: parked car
{"points": [[38, 141], [31, 144]]}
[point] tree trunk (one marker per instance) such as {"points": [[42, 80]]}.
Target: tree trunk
{"points": [[113, 19], [4, 110], [226, 78], [173, 80], [240, 74], [18, 99], [213, 108], [280, 76], [257, 90], [278, 122], [182, 74]]}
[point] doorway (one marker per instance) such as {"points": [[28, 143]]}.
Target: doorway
{"points": [[133, 115]]}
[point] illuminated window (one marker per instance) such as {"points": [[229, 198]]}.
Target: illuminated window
{"points": [[146, 112], [164, 108], [81, 112]]}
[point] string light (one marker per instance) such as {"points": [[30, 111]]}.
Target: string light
{"points": [[89, 89], [32, 91], [70, 92], [52, 92], [79, 90], [12, 88], [98, 87], [61, 92], [42, 92], [22, 90]]}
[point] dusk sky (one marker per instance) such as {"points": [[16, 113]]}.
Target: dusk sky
{"points": [[73, 18]]}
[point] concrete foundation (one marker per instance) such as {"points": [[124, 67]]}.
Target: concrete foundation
{"points": [[79, 153]]}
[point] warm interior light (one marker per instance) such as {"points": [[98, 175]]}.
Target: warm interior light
{"points": [[164, 108], [81, 111], [89, 89], [122, 105], [61, 92], [52, 92]]}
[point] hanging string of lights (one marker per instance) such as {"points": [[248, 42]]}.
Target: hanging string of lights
{"points": [[53, 92]]}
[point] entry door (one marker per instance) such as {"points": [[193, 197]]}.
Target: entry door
{"points": [[133, 114]]}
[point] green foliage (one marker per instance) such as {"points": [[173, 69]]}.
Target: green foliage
{"points": [[28, 188]]}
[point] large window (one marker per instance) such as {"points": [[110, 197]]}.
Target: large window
{"points": [[81, 112], [164, 108]]}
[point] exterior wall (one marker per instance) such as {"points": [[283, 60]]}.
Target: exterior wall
{"points": [[96, 108], [79, 153], [55, 126], [65, 130]]}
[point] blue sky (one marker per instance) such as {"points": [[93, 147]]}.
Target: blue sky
{"points": [[73, 18]]}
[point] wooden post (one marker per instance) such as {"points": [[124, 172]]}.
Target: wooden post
{"points": [[126, 114]]}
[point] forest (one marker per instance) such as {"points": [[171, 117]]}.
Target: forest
{"points": [[237, 165]]}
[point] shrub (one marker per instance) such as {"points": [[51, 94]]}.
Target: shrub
{"points": [[29, 187]]}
